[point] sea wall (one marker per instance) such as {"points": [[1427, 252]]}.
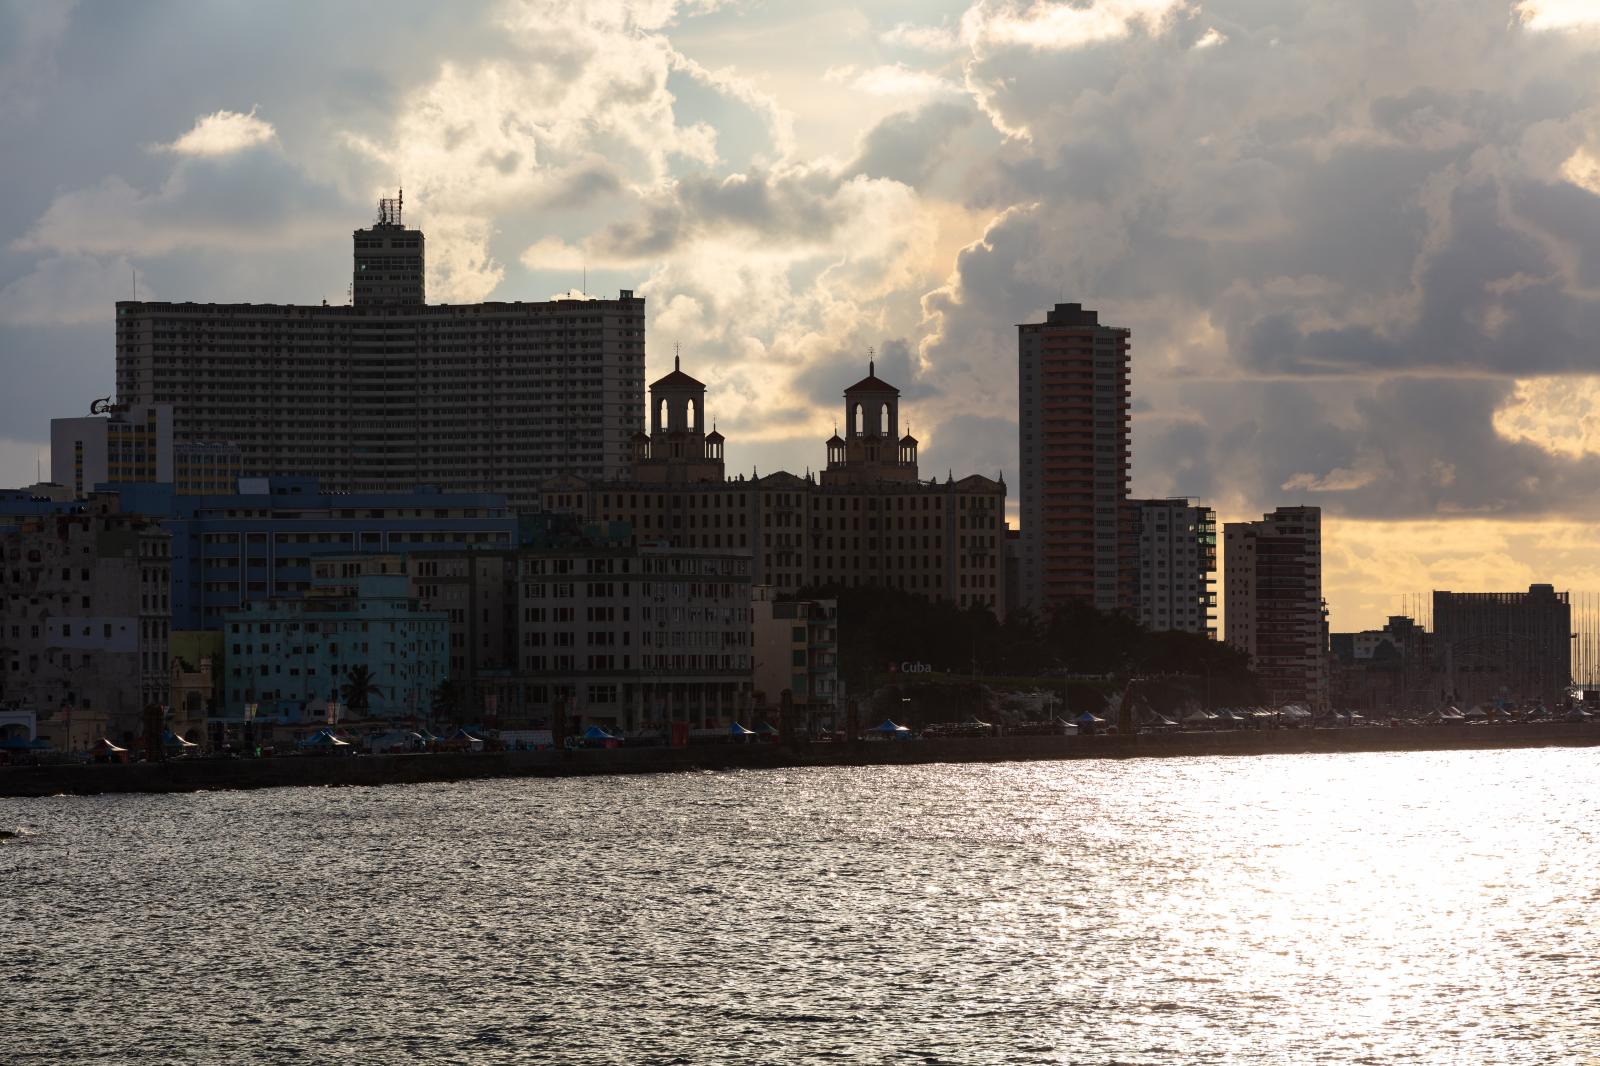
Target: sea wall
{"points": [[190, 775]]}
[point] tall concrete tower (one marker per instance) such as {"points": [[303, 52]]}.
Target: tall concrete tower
{"points": [[389, 261], [1078, 538]]}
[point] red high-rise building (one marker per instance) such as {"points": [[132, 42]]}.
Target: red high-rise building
{"points": [[1078, 538]]}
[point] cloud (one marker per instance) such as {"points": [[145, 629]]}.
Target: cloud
{"points": [[1560, 415], [223, 133], [30, 35], [921, 38], [1045, 26], [68, 290], [901, 82], [1211, 38], [1556, 14]]}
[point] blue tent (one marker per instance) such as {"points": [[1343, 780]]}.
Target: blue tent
{"points": [[173, 740], [738, 730], [887, 727], [1088, 718], [594, 732]]}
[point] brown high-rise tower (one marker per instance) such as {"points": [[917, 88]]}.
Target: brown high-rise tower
{"points": [[1078, 540]]}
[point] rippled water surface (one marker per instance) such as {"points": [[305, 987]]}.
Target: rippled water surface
{"points": [[1418, 907]]}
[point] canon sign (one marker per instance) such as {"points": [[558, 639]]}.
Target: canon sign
{"points": [[910, 668]]}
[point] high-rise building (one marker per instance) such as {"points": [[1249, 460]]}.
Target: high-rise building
{"points": [[1504, 645], [1072, 418], [870, 521], [1177, 566], [390, 392], [1272, 570]]}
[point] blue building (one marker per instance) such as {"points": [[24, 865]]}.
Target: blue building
{"points": [[259, 544], [291, 657]]}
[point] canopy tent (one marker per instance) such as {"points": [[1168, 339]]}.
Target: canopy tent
{"points": [[594, 732], [462, 734], [1066, 726], [1199, 717], [325, 740], [1294, 711], [975, 722], [1475, 713], [1089, 718], [888, 727], [1578, 714], [105, 745], [737, 730], [173, 740], [428, 735]]}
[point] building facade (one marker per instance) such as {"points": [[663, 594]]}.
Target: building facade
{"points": [[869, 521], [634, 637], [1514, 646], [135, 444], [260, 542], [1073, 444], [796, 648], [386, 394], [1275, 612], [290, 658], [1177, 566], [85, 615]]}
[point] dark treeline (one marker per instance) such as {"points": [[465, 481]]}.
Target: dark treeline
{"points": [[881, 628]]}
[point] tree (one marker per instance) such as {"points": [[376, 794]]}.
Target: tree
{"points": [[358, 689], [448, 699]]}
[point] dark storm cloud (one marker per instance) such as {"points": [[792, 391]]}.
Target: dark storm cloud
{"points": [[909, 146], [1367, 239]]}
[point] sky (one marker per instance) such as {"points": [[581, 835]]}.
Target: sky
{"points": [[1357, 242]]}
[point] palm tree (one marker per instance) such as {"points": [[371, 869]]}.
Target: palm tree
{"points": [[358, 689]]}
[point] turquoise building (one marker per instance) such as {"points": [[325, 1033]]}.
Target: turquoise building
{"points": [[291, 657]]}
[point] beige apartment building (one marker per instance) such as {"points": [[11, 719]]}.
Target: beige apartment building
{"points": [[391, 392], [1272, 570]]}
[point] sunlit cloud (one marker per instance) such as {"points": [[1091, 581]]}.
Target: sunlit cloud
{"points": [[1047, 26], [1211, 38], [1558, 414], [894, 80], [223, 133], [937, 39], [1556, 14]]}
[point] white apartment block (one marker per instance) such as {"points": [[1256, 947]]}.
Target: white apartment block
{"points": [[391, 392], [1272, 573], [1177, 566]]}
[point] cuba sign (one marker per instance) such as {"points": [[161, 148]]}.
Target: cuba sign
{"points": [[908, 667]]}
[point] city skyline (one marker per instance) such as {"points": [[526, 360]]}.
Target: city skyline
{"points": [[1353, 283]]}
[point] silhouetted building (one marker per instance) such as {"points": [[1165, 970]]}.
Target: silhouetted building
{"points": [[1275, 611], [84, 620], [390, 392], [870, 521], [1177, 566], [1073, 424], [796, 647], [1513, 646], [1383, 671]]}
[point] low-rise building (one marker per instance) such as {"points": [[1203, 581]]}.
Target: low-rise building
{"points": [[634, 637], [259, 542], [85, 615], [796, 645], [291, 657]]}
